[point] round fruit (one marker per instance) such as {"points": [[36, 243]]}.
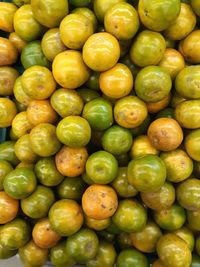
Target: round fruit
{"points": [[179, 166], [102, 167], [32, 255], [147, 173], [19, 92], [20, 183], [193, 219], [131, 257], [7, 152], [66, 102], [8, 76], [187, 235], [8, 52], [66, 217], [5, 168], [188, 81], [6, 253], [18, 42], [146, 239], [152, 84], [161, 199], [170, 219], [97, 225], [130, 216], [71, 161], [43, 235], [158, 15], [174, 251], [74, 131], [7, 14], [37, 205], [8, 111], [130, 111], [69, 70], [75, 29], [49, 13], [196, 6], [192, 144], [88, 13], [109, 81], [77, 245], [165, 134], [99, 201], [43, 140], [148, 48], [101, 51], [122, 21], [8, 208], [21, 125]]}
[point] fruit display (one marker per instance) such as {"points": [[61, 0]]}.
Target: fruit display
{"points": [[100, 133]]}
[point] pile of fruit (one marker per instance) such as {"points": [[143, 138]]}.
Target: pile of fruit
{"points": [[101, 102]]}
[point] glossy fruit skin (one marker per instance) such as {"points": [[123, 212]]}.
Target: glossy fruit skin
{"points": [[130, 216], [155, 107], [97, 225], [47, 173], [70, 64], [187, 235], [183, 25], [23, 150], [59, 256], [8, 111], [88, 13], [8, 208], [25, 25], [15, 234], [187, 82], [5, 168], [141, 146], [101, 51], [32, 255], [150, 166], [146, 239], [66, 217], [71, 161], [172, 61], [192, 144], [106, 255], [8, 51], [7, 152], [196, 6], [158, 15], [43, 234], [17, 41], [41, 111], [165, 134], [43, 140], [8, 75], [20, 183], [37, 205], [131, 257], [130, 112], [32, 55], [25, 165], [7, 11], [49, 13], [21, 125], [142, 128], [71, 188], [122, 21], [102, 167], [19, 92], [189, 47], [98, 112], [188, 194], [174, 251], [170, 219], [87, 94], [179, 166], [121, 184], [74, 30], [147, 49], [77, 244], [147, 77], [70, 125], [51, 44], [99, 201], [161, 199], [101, 7], [6, 253], [193, 219], [66, 102], [38, 82], [186, 114]]}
